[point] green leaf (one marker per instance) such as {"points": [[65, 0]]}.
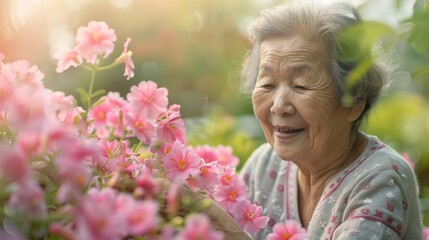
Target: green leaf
{"points": [[84, 96], [357, 41], [134, 148], [399, 4], [420, 30], [99, 92], [421, 72], [355, 76]]}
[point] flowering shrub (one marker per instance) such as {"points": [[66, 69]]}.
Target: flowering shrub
{"points": [[93, 171]]}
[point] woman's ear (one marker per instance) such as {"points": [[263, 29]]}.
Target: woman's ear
{"points": [[355, 111]]}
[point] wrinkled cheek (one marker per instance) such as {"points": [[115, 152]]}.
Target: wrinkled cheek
{"points": [[258, 107], [262, 113], [319, 129]]}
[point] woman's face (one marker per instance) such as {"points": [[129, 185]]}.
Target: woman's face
{"points": [[294, 99]]}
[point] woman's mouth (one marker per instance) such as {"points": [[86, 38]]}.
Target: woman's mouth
{"points": [[286, 133], [288, 130]]}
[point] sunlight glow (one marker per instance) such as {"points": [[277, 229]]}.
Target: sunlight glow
{"points": [[21, 11], [76, 4], [122, 4]]}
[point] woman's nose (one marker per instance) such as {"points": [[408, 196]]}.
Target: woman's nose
{"points": [[282, 103]]}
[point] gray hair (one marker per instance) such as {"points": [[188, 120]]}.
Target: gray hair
{"points": [[320, 23]]}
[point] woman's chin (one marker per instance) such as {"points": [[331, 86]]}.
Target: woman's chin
{"points": [[283, 152]]}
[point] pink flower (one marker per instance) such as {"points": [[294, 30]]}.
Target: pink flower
{"points": [[198, 227], [95, 40], [248, 216], [226, 157], [21, 73], [115, 100], [74, 177], [229, 195], [116, 156], [167, 233], [140, 216], [28, 200], [60, 104], [207, 153], [111, 153], [119, 108], [26, 114], [67, 57], [229, 176], [142, 128], [173, 197], [126, 57], [63, 109], [181, 162], [99, 115], [13, 164], [6, 91], [291, 230], [147, 100], [207, 179], [58, 229], [96, 216], [30, 143], [147, 184], [171, 127], [209, 175], [73, 168]]}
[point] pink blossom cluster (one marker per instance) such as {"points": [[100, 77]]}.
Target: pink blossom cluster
{"points": [[93, 173], [93, 43]]}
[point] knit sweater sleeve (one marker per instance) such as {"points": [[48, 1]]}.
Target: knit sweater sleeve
{"points": [[380, 206]]}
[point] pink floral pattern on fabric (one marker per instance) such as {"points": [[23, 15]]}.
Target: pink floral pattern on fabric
{"points": [[377, 216]]}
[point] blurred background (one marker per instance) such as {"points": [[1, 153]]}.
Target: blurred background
{"points": [[195, 49]]}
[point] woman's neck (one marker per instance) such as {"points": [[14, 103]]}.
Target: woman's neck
{"points": [[312, 180], [318, 171]]}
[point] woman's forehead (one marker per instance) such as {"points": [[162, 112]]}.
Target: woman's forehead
{"points": [[292, 50]]}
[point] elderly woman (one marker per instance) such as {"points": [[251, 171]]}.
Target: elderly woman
{"points": [[318, 168]]}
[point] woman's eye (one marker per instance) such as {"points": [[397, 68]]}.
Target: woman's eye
{"points": [[267, 86], [299, 87]]}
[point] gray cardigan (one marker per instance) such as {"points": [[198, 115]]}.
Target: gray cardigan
{"points": [[376, 197]]}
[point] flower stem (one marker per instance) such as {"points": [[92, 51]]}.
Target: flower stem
{"points": [[91, 87], [138, 146], [113, 64]]}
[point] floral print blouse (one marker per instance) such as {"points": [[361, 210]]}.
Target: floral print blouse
{"points": [[376, 197]]}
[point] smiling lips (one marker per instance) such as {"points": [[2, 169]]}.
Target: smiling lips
{"points": [[280, 129], [286, 132]]}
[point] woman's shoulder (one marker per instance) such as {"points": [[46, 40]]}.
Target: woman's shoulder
{"points": [[379, 156], [378, 163]]}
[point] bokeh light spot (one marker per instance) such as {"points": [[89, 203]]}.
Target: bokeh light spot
{"points": [[150, 68], [193, 22]]}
